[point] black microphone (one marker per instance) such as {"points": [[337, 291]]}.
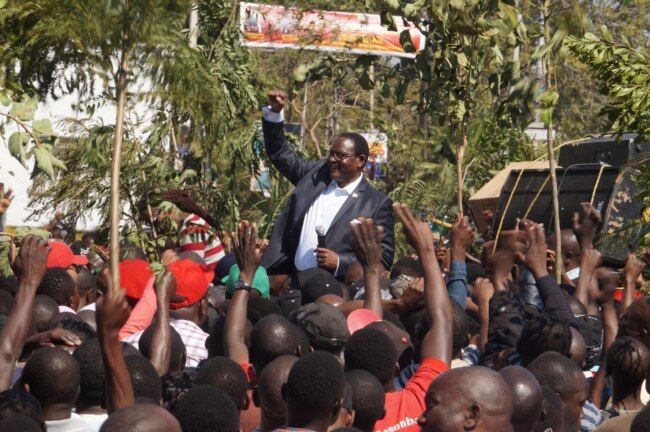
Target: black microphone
{"points": [[320, 232]]}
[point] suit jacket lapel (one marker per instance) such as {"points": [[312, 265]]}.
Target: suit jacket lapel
{"points": [[353, 198]]}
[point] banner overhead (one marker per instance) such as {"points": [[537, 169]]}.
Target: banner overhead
{"points": [[276, 27]]}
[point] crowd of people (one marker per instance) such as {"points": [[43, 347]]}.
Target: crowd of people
{"points": [[316, 329]]}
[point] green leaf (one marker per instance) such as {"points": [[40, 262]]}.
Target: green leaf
{"points": [[387, 20], [400, 90], [410, 12], [461, 58], [392, 5], [300, 74], [43, 127], [3, 3], [43, 161], [18, 146], [25, 110], [365, 82], [4, 97]]}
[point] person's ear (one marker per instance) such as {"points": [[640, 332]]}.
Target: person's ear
{"points": [[472, 417], [256, 398], [247, 402], [350, 418], [283, 391], [362, 161], [397, 369], [26, 387], [336, 411]]}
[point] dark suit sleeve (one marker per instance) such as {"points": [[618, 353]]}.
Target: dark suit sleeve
{"points": [[384, 217], [284, 158]]}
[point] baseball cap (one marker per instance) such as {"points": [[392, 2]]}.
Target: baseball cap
{"points": [[324, 324], [260, 281], [62, 256], [400, 339], [192, 282], [316, 282], [134, 277], [360, 318]]}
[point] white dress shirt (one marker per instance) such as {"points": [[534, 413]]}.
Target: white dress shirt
{"points": [[321, 212]]}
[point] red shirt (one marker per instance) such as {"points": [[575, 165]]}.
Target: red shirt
{"points": [[405, 406]]}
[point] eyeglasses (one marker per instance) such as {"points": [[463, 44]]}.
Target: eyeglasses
{"points": [[338, 156]]}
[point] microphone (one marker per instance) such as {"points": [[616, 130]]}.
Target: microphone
{"points": [[320, 232]]}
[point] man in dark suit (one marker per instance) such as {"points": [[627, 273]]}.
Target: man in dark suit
{"points": [[329, 194]]}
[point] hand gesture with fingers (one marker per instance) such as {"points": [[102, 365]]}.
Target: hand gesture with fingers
{"points": [[367, 242], [535, 257], [32, 259], [112, 308], [6, 196], [586, 230], [417, 232], [246, 249], [277, 100], [461, 237]]}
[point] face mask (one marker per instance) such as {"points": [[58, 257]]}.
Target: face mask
{"points": [[573, 274]]}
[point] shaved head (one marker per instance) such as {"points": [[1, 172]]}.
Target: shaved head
{"points": [[141, 418], [527, 397], [269, 389], [635, 321], [469, 398]]}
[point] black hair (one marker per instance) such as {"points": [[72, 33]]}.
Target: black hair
{"points": [[184, 201], [19, 423], [206, 408], [175, 385], [226, 375], [371, 350], [543, 333], [91, 366], [215, 342], [86, 282], [46, 313], [79, 328], [627, 364], [313, 291], [6, 302], [58, 284], [551, 415], [144, 377], [641, 422], [9, 284], [315, 385], [360, 144], [53, 376], [556, 372], [88, 236], [178, 351], [368, 398], [273, 336], [407, 266], [459, 327], [259, 307], [18, 401]]}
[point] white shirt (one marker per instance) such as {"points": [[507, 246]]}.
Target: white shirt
{"points": [[322, 211], [73, 424]]}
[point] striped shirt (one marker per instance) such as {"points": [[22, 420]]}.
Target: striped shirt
{"points": [[196, 235]]}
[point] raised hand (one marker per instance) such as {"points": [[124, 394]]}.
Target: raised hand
{"points": [[484, 290], [461, 237], [32, 259], [367, 242], [6, 196], [277, 100], [633, 268], [418, 233], [112, 308], [535, 256], [246, 250], [167, 286], [586, 230]]}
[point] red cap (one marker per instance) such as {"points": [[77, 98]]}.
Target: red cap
{"points": [[360, 318], [618, 294], [192, 282], [62, 256], [134, 276]]}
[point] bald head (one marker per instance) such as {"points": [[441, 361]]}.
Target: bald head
{"points": [[273, 336], [570, 246], [527, 397], [141, 418], [46, 313], [470, 398], [269, 388], [331, 299]]}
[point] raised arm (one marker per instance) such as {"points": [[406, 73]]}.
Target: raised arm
{"points": [[437, 342], [248, 259], [461, 238], [32, 256], [112, 313], [633, 269], [367, 247], [284, 158], [161, 340]]}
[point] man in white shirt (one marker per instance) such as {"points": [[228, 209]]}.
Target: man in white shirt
{"points": [[329, 194]]}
